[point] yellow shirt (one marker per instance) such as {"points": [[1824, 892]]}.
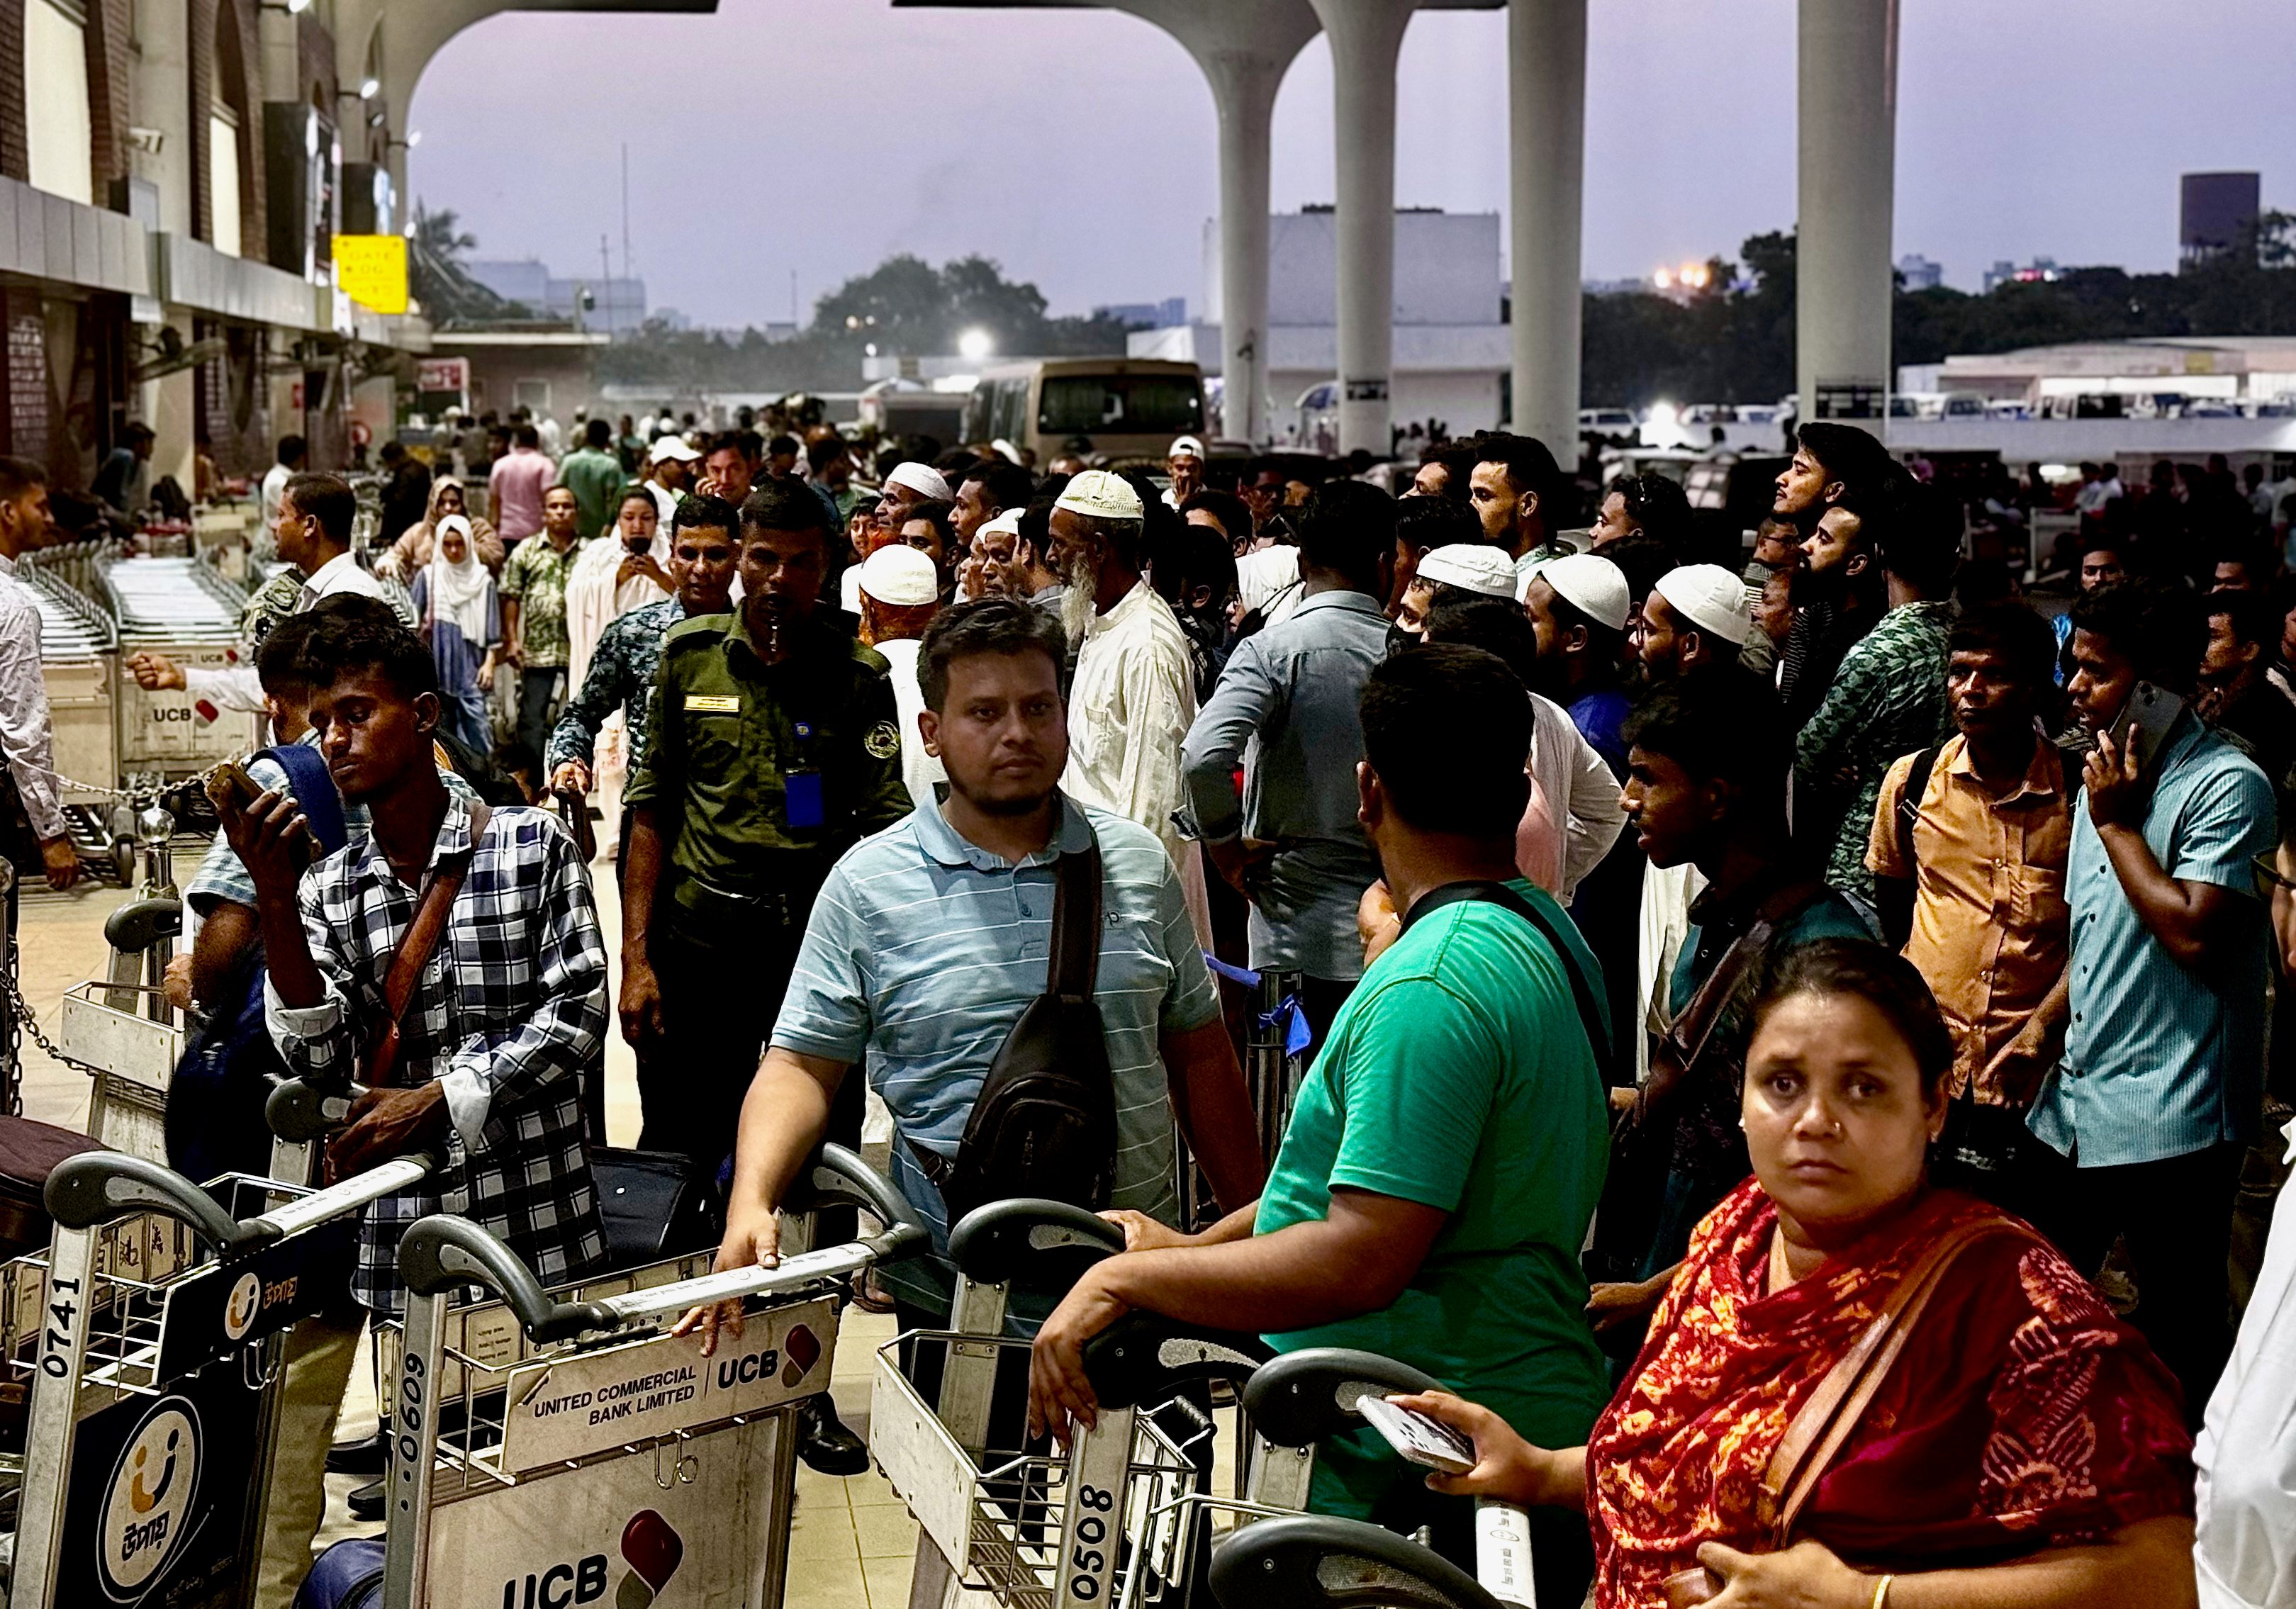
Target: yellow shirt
{"points": [[1990, 921]]}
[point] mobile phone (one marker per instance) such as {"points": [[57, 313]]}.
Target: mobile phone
{"points": [[2144, 722], [1419, 1439], [232, 782]]}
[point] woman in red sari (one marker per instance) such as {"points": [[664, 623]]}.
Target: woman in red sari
{"points": [[2024, 1451]]}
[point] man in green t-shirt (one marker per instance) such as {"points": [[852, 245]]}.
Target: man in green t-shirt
{"points": [[1443, 1163], [593, 474]]}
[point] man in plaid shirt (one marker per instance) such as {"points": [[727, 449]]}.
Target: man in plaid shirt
{"points": [[510, 1006]]}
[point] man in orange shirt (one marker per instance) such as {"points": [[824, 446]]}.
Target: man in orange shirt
{"points": [[1968, 847]]}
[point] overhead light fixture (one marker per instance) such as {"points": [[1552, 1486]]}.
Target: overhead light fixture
{"points": [[369, 88], [974, 345], [415, 138], [298, 7]]}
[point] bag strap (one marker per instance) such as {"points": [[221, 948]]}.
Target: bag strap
{"points": [[1909, 807], [1075, 970], [416, 946], [1686, 1037], [1827, 1420], [1582, 992], [314, 787]]}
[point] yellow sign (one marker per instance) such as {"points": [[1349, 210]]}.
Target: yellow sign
{"points": [[371, 269]]}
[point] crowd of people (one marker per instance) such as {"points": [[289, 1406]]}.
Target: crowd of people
{"points": [[1737, 977]]}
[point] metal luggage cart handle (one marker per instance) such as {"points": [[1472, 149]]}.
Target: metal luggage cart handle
{"points": [[299, 1112], [98, 1186], [994, 1243], [442, 1252]]}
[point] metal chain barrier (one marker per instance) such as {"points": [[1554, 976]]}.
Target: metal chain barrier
{"points": [[13, 999]]}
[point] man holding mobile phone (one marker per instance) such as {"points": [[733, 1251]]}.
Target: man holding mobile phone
{"points": [[2160, 1088]]}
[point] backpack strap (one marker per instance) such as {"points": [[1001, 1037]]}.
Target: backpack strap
{"points": [[314, 787], [416, 946], [1909, 806], [1075, 969], [1582, 992]]}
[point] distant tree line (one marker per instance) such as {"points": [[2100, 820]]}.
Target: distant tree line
{"points": [[903, 306], [1725, 344]]}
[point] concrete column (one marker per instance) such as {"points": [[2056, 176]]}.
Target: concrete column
{"points": [[1243, 89], [1847, 117], [168, 405], [1366, 36], [1546, 130], [1244, 51]]}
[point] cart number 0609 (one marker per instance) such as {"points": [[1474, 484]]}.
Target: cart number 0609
{"points": [[1091, 1531]]}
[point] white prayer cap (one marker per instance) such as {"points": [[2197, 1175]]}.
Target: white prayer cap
{"points": [[921, 479], [1101, 493], [1710, 598], [1007, 523], [1470, 567], [901, 576], [672, 446], [1593, 585]]}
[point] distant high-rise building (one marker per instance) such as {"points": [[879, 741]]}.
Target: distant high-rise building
{"points": [[2004, 272], [1920, 274], [2216, 208], [615, 303], [1146, 315]]}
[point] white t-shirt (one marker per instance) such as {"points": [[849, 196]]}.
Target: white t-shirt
{"points": [[1269, 580], [919, 769], [274, 481]]}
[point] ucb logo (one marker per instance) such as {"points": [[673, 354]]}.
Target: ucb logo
{"points": [[741, 1371], [149, 1499], [559, 1586], [167, 712]]}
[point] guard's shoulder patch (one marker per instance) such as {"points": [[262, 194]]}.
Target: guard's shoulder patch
{"points": [[883, 740], [696, 628]]}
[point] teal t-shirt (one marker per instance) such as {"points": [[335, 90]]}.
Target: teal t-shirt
{"points": [[1459, 1076]]}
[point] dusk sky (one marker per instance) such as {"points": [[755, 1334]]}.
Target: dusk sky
{"points": [[1077, 147]]}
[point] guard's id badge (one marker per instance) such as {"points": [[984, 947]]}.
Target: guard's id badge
{"points": [[802, 802], [704, 704]]}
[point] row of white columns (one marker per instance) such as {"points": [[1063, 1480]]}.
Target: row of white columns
{"points": [[1847, 80]]}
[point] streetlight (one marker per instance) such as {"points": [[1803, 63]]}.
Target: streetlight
{"points": [[974, 345]]}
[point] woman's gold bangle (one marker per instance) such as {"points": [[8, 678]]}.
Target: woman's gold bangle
{"points": [[1882, 1592]]}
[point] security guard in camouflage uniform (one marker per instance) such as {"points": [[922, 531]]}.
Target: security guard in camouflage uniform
{"points": [[772, 746]]}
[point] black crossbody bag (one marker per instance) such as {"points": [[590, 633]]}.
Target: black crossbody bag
{"points": [[1044, 1122]]}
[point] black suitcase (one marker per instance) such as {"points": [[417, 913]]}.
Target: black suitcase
{"points": [[656, 1204]]}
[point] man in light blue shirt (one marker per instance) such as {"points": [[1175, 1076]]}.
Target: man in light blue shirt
{"points": [[931, 938], [1286, 711], [2161, 1086]]}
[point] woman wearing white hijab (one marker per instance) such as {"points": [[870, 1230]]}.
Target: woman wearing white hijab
{"points": [[462, 620], [624, 570]]}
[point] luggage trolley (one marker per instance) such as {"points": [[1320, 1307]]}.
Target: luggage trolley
{"points": [[150, 1333], [1035, 1529], [550, 1448]]}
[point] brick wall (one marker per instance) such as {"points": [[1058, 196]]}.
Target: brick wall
{"points": [[109, 27], [209, 85], [15, 153]]}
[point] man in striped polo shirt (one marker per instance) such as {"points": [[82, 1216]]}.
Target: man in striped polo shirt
{"points": [[931, 938]]}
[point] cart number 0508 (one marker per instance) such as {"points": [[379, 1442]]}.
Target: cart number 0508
{"points": [[1091, 1532]]}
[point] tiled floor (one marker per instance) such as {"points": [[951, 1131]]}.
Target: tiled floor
{"points": [[851, 1542]]}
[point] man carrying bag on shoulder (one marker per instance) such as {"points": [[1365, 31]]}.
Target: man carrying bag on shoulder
{"points": [[951, 953]]}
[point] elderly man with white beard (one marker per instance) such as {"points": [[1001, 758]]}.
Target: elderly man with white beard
{"points": [[1134, 696]]}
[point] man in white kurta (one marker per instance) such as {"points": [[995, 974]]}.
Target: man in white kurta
{"points": [[1134, 695]]}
